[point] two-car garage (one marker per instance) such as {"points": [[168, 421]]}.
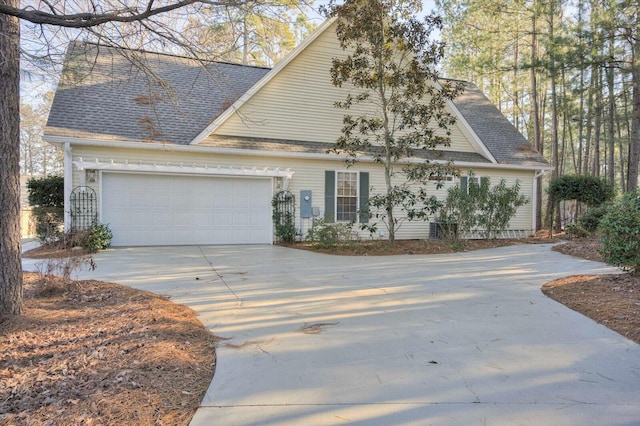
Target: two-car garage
{"points": [[144, 209]]}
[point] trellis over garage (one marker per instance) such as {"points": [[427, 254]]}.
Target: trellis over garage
{"points": [[200, 162]]}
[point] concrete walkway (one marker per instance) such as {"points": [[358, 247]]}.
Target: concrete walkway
{"points": [[460, 339]]}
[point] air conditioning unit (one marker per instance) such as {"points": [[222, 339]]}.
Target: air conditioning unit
{"points": [[439, 231]]}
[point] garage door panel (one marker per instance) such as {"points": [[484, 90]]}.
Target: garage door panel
{"points": [[241, 219], [202, 220], [203, 201], [223, 202], [174, 209]]}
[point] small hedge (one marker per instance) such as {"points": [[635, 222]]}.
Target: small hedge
{"points": [[591, 190], [46, 196], [620, 231], [590, 220], [97, 238]]}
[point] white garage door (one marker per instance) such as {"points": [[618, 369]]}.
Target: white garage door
{"points": [[147, 209]]}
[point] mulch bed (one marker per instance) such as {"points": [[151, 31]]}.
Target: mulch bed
{"points": [[612, 300], [401, 247], [91, 352]]}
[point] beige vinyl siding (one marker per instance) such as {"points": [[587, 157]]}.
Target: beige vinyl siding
{"points": [[298, 103], [309, 175]]}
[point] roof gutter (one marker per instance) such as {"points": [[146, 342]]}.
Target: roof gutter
{"points": [[167, 147]]}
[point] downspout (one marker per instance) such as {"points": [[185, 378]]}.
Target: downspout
{"points": [[68, 185], [535, 198]]}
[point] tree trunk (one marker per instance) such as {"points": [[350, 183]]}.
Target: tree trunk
{"points": [[634, 140], [537, 142], [10, 262], [611, 139], [597, 125], [555, 160], [581, 115], [624, 126]]}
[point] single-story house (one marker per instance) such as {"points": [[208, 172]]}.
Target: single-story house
{"points": [[179, 151]]}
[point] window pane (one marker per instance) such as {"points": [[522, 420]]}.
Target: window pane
{"points": [[348, 183], [347, 196], [346, 208]]}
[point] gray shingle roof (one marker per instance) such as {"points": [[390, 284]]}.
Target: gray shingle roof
{"points": [[116, 94], [108, 93], [502, 139]]}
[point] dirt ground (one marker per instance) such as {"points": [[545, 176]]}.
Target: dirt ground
{"points": [[93, 353]]}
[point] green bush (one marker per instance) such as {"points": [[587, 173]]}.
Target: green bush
{"points": [[96, 238], [46, 191], [481, 206], [284, 220], [575, 230], [49, 222], [327, 235], [590, 219], [46, 196], [285, 225], [620, 231], [591, 190]]}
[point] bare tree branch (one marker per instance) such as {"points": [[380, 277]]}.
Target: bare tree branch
{"points": [[92, 19]]}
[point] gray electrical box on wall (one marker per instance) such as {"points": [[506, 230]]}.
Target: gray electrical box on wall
{"points": [[305, 203]]}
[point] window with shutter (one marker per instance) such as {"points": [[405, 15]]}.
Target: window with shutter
{"points": [[468, 185], [346, 196]]}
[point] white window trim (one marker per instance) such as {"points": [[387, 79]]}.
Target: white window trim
{"points": [[335, 196]]}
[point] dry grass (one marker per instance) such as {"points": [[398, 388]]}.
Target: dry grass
{"points": [[101, 353]]}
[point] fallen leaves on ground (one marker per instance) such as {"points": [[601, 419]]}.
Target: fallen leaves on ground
{"points": [[91, 352], [612, 300], [585, 248], [425, 246]]}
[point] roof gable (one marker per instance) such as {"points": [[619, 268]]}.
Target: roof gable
{"points": [[295, 102], [240, 102]]}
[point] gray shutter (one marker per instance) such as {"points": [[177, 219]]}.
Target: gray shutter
{"points": [[363, 193], [464, 184], [484, 180], [329, 196]]}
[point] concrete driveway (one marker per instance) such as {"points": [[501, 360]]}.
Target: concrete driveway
{"points": [[459, 339]]}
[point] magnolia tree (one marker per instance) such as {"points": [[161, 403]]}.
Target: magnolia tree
{"points": [[391, 65]]}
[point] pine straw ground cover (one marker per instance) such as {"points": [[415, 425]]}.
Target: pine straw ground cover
{"points": [[91, 352], [612, 300]]}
